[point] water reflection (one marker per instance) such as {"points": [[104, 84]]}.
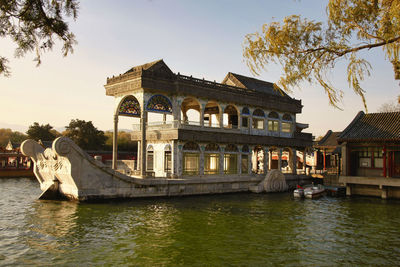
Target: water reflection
{"points": [[237, 229]]}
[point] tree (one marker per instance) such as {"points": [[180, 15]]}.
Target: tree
{"points": [[307, 50], [33, 24], [85, 135], [41, 132], [9, 135], [389, 107], [125, 142]]}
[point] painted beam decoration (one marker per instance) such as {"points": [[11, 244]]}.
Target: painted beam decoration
{"points": [[129, 107], [159, 103]]}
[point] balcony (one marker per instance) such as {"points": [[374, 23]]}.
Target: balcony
{"points": [[189, 125]]}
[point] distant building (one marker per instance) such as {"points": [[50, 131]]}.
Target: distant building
{"points": [[371, 155], [327, 154], [242, 126], [13, 163]]}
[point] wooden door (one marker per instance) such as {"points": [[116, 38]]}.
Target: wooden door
{"points": [[396, 164]]}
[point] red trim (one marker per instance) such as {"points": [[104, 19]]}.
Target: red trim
{"points": [[384, 161]]}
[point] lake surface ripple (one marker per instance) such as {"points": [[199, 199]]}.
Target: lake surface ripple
{"points": [[218, 230]]}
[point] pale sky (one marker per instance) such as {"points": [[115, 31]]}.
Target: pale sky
{"points": [[200, 38]]}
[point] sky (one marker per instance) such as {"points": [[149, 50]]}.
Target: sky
{"points": [[200, 38]]}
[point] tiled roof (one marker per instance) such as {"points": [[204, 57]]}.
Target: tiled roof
{"points": [[373, 127], [253, 84], [148, 66], [329, 140]]}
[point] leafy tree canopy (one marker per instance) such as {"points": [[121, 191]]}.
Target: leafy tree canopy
{"points": [[41, 132], [307, 50], [125, 142], [9, 135], [85, 135], [389, 107], [33, 25]]}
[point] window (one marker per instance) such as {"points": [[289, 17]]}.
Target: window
{"points": [[190, 163], [167, 161], [287, 123], [211, 163], [245, 163], [258, 119], [273, 126], [258, 123], [191, 157], [273, 122], [245, 122], [286, 127], [150, 160], [230, 163], [378, 157], [370, 157]]}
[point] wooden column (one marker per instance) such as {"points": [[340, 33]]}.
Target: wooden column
{"points": [[115, 143], [324, 160], [384, 161]]}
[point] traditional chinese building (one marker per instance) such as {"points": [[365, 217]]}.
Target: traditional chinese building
{"points": [[13, 163], [328, 153], [188, 127], [371, 155]]}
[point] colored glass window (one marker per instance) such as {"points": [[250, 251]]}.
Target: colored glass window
{"points": [[159, 103], [129, 107]]}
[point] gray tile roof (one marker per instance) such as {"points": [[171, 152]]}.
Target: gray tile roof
{"points": [[373, 127], [329, 140], [253, 84]]}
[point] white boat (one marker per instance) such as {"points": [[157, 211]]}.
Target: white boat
{"points": [[299, 192], [314, 192]]}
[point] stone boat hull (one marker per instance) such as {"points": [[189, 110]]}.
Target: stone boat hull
{"points": [[66, 171]]}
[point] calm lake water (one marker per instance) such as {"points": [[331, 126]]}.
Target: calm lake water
{"points": [[233, 230]]}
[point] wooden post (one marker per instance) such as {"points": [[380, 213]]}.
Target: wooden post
{"points": [[324, 160], [384, 161]]}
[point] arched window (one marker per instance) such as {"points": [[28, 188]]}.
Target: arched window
{"points": [[211, 115], [190, 111], [129, 107], [159, 103], [191, 158], [230, 159], [258, 119], [150, 158], [273, 122], [245, 118], [167, 158], [259, 113], [286, 117], [230, 117], [212, 148], [286, 123], [211, 159]]}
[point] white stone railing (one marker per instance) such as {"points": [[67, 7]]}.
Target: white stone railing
{"points": [[196, 125]]}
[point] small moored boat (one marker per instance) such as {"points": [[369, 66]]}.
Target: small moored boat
{"points": [[298, 192], [314, 192]]}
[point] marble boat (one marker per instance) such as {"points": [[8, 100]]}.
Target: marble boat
{"points": [[66, 171]]}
